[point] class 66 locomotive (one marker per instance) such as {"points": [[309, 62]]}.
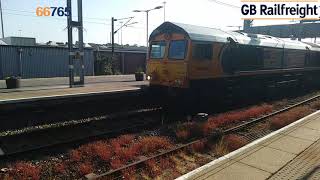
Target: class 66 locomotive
{"points": [[205, 61]]}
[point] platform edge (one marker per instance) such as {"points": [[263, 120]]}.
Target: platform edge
{"points": [[228, 156]]}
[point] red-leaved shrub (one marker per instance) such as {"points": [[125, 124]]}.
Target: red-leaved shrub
{"points": [[234, 142], [152, 168], [116, 163], [102, 151], [75, 155], [85, 168], [165, 163], [235, 116], [127, 154], [199, 146], [182, 134], [122, 141], [129, 173], [23, 170], [153, 143], [315, 105], [288, 117], [126, 139], [59, 168]]}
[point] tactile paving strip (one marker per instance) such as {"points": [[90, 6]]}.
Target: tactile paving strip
{"points": [[314, 174], [305, 166]]}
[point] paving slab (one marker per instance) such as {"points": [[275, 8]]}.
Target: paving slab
{"points": [[207, 172], [57, 93], [290, 144], [64, 81], [268, 159], [271, 139], [240, 171], [306, 133], [313, 124], [305, 166]]}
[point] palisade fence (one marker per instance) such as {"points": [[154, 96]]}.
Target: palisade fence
{"points": [[46, 62], [39, 62]]}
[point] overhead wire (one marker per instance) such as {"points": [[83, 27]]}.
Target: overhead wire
{"points": [[224, 4]]}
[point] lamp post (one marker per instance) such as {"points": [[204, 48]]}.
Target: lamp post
{"points": [[164, 11], [2, 28], [147, 12]]}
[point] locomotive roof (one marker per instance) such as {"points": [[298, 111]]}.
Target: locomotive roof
{"points": [[199, 33]]}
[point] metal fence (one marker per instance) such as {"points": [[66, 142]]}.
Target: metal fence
{"points": [[39, 62]]}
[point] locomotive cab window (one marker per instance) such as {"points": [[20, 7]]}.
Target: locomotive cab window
{"points": [[177, 50], [202, 51], [157, 50]]}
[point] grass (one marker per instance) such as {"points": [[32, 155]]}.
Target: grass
{"points": [[221, 148]]}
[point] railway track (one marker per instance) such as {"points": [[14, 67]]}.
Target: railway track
{"points": [[46, 112], [115, 174], [81, 130]]}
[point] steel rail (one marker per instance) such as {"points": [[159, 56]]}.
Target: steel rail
{"points": [[70, 128], [216, 134]]}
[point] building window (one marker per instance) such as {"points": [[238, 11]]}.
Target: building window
{"points": [[177, 50], [202, 51], [158, 49]]}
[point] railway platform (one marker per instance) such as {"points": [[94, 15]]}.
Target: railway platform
{"points": [[57, 88], [292, 152]]}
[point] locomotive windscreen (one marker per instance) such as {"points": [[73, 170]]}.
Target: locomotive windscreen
{"points": [[158, 50]]}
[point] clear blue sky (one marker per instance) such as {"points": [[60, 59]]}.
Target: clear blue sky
{"points": [[20, 18]]}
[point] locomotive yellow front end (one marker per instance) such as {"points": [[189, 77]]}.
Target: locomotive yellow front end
{"points": [[167, 64]]}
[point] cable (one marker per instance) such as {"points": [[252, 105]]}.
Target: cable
{"points": [[31, 12], [60, 19], [16, 14], [224, 4]]}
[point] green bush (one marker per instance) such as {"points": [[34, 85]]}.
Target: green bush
{"points": [[106, 65]]}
